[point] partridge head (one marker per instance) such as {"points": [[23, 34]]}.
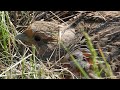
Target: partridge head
{"points": [[45, 35]]}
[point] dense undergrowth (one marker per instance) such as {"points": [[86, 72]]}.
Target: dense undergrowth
{"points": [[20, 62]]}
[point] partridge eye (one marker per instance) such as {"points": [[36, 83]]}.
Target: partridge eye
{"points": [[37, 38]]}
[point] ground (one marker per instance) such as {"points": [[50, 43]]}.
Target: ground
{"points": [[96, 44]]}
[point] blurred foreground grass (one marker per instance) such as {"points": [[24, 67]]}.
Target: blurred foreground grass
{"points": [[15, 65]]}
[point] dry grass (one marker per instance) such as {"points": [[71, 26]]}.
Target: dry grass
{"points": [[18, 61]]}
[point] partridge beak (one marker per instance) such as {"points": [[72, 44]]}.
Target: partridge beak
{"points": [[22, 37]]}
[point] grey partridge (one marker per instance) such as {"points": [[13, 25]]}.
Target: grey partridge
{"points": [[45, 35]]}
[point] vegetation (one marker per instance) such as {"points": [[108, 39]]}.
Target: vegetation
{"points": [[20, 61]]}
